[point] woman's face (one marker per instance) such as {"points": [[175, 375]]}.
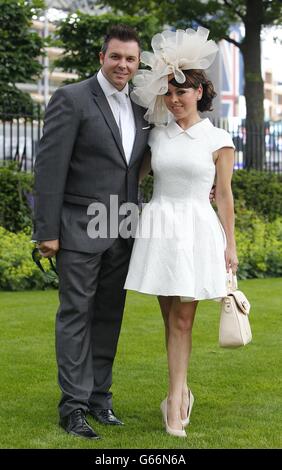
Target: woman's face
{"points": [[181, 102]]}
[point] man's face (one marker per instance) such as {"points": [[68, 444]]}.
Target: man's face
{"points": [[120, 62]]}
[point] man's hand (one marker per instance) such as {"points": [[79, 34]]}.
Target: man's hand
{"points": [[48, 248], [212, 194]]}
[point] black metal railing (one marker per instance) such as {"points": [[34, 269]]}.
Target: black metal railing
{"points": [[256, 148], [19, 138]]}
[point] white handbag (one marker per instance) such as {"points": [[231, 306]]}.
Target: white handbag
{"points": [[234, 325]]}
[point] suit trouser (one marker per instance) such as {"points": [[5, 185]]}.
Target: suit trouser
{"points": [[88, 324]]}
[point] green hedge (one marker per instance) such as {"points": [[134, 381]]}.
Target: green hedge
{"points": [[259, 245], [258, 209], [16, 199], [17, 268], [260, 191]]}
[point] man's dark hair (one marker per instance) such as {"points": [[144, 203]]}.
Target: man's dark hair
{"points": [[122, 32]]}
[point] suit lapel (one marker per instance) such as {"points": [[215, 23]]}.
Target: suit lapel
{"points": [[138, 116], [105, 109]]}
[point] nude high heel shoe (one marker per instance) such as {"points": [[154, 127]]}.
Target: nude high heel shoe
{"points": [[169, 430], [186, 421]]}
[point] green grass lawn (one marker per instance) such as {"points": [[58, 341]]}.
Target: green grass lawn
{"points": [[238, 399]]}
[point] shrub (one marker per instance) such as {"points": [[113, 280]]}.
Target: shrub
{"points": [[259, 244], [16, 200], [17, 269], [146, 188], [258, 229], [260, 191], [258, 222]]}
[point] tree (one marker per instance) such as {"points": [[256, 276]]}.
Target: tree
{"points": [[218, 15], [19, 52], [81, 35]]}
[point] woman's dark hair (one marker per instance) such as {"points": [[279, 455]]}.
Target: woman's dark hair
{"points": [[195, 78], [123, 33]]}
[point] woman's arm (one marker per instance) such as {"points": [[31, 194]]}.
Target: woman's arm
{"points": [[145, 166], [225, 205]]}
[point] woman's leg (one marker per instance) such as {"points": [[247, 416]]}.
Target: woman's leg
{"points": [[165, 306], [181, 318]]}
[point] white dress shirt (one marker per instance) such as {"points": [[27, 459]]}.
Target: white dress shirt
{"points": [[120, 105]]}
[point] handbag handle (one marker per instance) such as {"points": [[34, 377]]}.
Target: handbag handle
{"points": [[232, 283]]}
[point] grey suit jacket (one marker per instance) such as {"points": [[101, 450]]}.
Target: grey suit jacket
{"points": [[80, 161]]}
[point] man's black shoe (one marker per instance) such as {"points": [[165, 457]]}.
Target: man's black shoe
{"points": [[105, 417], [76, 424]]}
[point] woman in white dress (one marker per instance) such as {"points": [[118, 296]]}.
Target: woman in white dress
{"points": [[183, 250]]}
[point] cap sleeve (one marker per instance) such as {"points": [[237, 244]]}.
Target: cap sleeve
{"points": [[222, 139]]}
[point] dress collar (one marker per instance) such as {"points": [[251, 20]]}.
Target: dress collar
{"points": [[173, 129]]}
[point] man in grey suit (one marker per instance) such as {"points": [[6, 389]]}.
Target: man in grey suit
{"points": [[87, 154]]}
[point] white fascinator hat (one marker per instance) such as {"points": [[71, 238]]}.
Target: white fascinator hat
{"points": [[173, 51]]}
